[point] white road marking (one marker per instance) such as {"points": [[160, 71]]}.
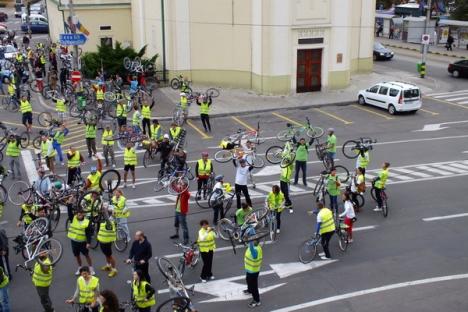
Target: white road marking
{"points": [[456, 99], [29, 165], [438, 171], [364, 228], [460, 215], [465, 168], [456, 170], [446, 93], [415, 173], [464, 102], [372, 291]]}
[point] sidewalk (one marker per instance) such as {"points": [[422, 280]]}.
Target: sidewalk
{"points": [[235, 101], [461, 53]]}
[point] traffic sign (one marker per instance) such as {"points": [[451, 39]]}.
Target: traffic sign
{"points": [[75, 76], [425, 39], [72, 39]]}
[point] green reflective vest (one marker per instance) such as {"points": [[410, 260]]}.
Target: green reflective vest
{"points": [[99, 95], [130, 157], [175, 132], [209, 242], [331, 140], [286, 173], [6, 280], [250, 264], [77, 230], [121, 111], [204, 169], [146, 111], [25, 107], [328, 224], [39, 278], [28, 212], [106, 138], [90, 132], [94, 180], [12, 149], [383, 176], [204, 108], [275, 201], [302, 152], [156, 132], [87, 291], [74, 161], [59, 136], [363, 161], [183, 102], [139, 295], [106, 236], [45, 149], [332, 187], [60, 106], [119, 206]]}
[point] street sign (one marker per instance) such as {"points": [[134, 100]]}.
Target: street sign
{"points": [[75, 76], [72, 39], [425, 39]]}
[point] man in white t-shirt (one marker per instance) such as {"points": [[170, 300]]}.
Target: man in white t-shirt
{"points": [[242, 175]]}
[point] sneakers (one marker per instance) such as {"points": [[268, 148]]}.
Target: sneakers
{"points": [[291, 210], [212, 277], [133, 186], [350, 240], [325, 258], [112, 273], [113, 166], [278, 231], [321, 254], [106, 268], [246, 292], [91, 270], [77, 272], [62, 163], [202, 280], [175, 236], [254, 304], [377, 208]]}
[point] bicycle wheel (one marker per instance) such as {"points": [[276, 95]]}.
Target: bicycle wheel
{"points": [[384, 206], [202, 198], [33, 86], [109, 181], [44, 119], [6, 103], [274, 154], [178, 117], [127, 63], [255, 161], [54, 217], [121, 242], [285, 135], [195, 256], [75, 112], [359, 201], [213, 92], [308, 251], [90, 202], [176, 304], [38, 227], [19, 192], [175, 83], [225, 229], [52, 248], [147, 158], [13, 106], [318, 187], [94, 242], [342, 239], [161, 183], [24, 139], [109, 96], [3, 195], [286, 161], [314, 132], [350, 149], [55, 183], [177, 185], [90, 116], [168, 269], [110, 109], [259, 234], [342, 173], [272, 227], [37, 142], [181, 266], [223, 156]]}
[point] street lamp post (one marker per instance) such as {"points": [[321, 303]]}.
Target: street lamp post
{"points": [[425, 47]]}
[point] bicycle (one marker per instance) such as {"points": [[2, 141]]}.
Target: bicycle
{"points": [[175, 182], [23, 137], [281, 155], [251, 157], [179, 115], [10, 103], [133, 65], [46, 119], [352, 148], [3, 190], [225, 199], [179, 83], [342, 233], [383, 196], [321, 149], [320, 189], [149, 156], [189, 258], [357, 198], [248, 135], [308, 249], [205, 192], [296, 131], [121, 241]]}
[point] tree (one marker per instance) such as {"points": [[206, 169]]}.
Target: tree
{"points": [[460, 10]]}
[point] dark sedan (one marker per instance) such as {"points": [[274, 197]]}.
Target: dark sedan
{"points": [[381, 52], [459, 69]]}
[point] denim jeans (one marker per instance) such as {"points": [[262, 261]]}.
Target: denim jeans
{"points": [[58, 148], [332, 155], [123, 222], [334, 203], [181, 220], [4, 300]]}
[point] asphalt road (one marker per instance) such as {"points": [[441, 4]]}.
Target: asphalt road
{"points": [[401, 263]]}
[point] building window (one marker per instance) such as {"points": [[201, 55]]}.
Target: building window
{"points": [[106, 41], [105, 27], [310, 41]]}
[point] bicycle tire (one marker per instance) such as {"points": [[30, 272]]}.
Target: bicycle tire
{"points": [[13, 106], [110, 110], [24, 139], [287, 161], [285, 135], [1, 156], [224, 228], [74, 111], [349, 149], [175, 83], [84, 204], [372, 193], [342, 240], [178, 117], [146, 158], [94, 241], [256, 162], [272, 227], [90, 116], [213, 92], [195, 256], [204, 196], [161, 183], [318, 186], [175, 304], [110, 96], [3, 195], [127, 63], [315, 132], [53, 249], [121, 242], [259, 235], [50, 179], [165, 265], [33, 86], [360, 201], [19, 192], [178, 185], [343, 173], [6, 103], [54, 218], [223, 156], [274, 154], [37, 142], [307, 251], [109, 180], [44, 119], [384, 206]]}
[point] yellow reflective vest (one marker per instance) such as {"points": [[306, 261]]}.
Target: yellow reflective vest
{"points": [[139, 295], [119, 207], [77, 230], [90, 132], [121, 110], [106, 138], [208, 243], [106, 236], [275, 201], [39, 278], [94, 180], [99, 95], [25, 107], [130, 157], [74, 161], [60, 106], [146, 111], [328, 224], [156, 133], [13, 149], [204, 108], [87, 290], [204, 169], [253, 265]]}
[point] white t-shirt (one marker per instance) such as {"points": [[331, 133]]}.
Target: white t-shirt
{"points": [[242, 175], [218, 185], [359, 179], [348, 210]]}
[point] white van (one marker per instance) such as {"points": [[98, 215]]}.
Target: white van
{"points": [[34, 18]]}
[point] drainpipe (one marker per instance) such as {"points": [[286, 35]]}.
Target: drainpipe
{"points": [[163, 39]]}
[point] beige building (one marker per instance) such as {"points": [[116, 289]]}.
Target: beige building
{"points": [[270, 46]]}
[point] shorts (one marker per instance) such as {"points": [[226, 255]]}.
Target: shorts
{"points": [[121, 121], [27, 118], [106, 249], [79, 247], [129, 167], [331, 155]]}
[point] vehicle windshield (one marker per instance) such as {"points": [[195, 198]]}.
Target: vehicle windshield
{"points": [[378, 46], [411, 93]]}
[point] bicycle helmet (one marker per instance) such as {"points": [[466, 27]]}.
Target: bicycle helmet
{"points": [[183, 94], [93, 169], [219, 178], [58, 185], [331, 129]]}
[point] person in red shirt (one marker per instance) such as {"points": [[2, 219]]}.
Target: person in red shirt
{"points": [[181, 211]]}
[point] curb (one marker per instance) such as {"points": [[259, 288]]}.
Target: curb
{"points": [[430, 52]]}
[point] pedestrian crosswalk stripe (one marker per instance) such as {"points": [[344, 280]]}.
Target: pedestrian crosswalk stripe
{"points": [[457, 99], [459, 166], [435, 95], [415, 173], [401, 177], [294, 188], [455, 170], [438, 171], [263, 187], [464, 102]]}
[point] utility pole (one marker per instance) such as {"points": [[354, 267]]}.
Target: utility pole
{"points": [[76, 64], [425, 47]]}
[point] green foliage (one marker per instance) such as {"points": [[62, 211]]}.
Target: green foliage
{"points": [[460, 10], [111, 60]]}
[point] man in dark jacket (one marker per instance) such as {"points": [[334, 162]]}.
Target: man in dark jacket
{"points": [[141, 252]]}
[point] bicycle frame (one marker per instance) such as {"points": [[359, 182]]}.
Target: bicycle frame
{"points": [[31, 247]]}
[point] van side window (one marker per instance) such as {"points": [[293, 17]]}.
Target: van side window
{"points": [[383, 90], [374, 89], [394, 92]]}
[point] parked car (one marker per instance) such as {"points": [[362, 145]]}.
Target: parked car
{"points": [[381, 52], [39, 23], [393, 96], [3, 17], [458, 68]]}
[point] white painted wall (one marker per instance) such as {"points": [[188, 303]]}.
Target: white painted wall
{"points": [[257, 36], [340, 34], [280, 38]]}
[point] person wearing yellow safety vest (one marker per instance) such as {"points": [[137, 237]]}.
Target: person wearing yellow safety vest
{"points": [[47, 152], [275, 201], [379, 184], [106, 237], [146, 117], [203, 171], [26, 111], [75, 159], [325, 228], [59, 137], [174, 132], [4, 293], [13, 152], [142, 292], [121, 211], [136, 119], [79, 233], [11, 88], [156, 131], [363, 160], [205, 102], [99, 94], [358, 186], [60, 107], [253, 258], [92, 181], [184, 104], [42, 279], [90, 136], [285, 180], [86, 291], [19, 57], [107, 141], [333, 189], [27, 215], [121, 114], [206, 245], [130, 162]]}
